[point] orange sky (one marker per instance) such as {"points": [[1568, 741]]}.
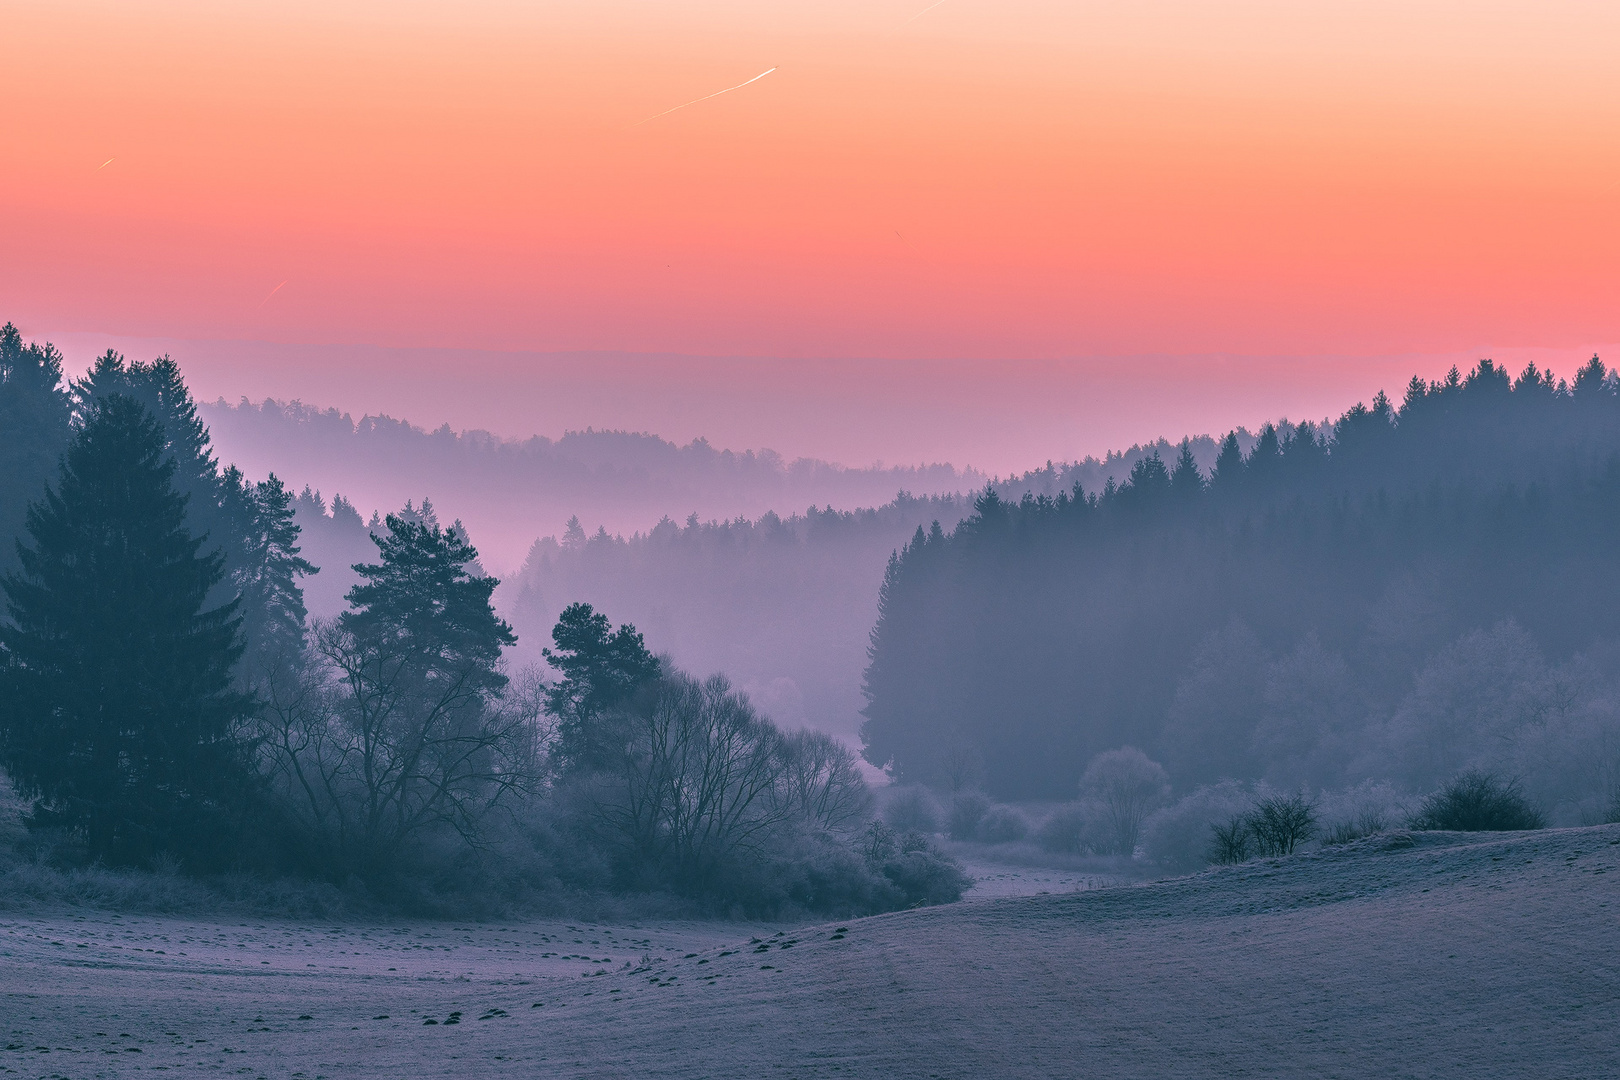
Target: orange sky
{"points": [[1030, 180]]}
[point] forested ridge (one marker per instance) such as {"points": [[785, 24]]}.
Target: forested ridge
{"points": [[512, 490], [166, 702], [1294, 614]]}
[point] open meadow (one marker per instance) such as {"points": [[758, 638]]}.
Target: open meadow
{"points": [[1422, 954]]}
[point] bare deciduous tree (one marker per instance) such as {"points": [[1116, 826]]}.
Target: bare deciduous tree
{"points": [[1232, 840], [1280, 823], [370, 757], [821, 783], [706, 778], [699, 780]]}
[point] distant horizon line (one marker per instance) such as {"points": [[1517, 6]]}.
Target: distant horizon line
{"points": [[1477, 352]]}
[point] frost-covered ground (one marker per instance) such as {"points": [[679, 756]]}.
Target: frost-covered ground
{"points": [[1434, 955], [995, 878]]}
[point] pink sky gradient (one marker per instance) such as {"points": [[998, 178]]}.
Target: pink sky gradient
{"points": [[989, 233]]}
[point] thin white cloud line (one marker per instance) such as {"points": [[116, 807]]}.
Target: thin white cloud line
{"points": [[106, 163], [921, 13], [705, 97], [273, 292]]}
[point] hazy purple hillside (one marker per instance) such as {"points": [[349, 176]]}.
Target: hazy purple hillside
{"points": [[750, 583], [511, 492]]}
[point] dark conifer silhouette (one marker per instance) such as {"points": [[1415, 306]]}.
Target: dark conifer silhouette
{"points": [[1185, 479], [1041, 632], [118, 714], [248, 525], [602, 670], [34, 411], [419, 597], [274, 619]]}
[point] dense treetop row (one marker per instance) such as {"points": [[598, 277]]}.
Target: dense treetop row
{"points": [[1268, 619]]}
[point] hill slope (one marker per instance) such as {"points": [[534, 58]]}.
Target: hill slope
{"points": [[1428, 955]]}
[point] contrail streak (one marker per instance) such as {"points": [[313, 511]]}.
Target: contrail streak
{"points": [[273, 292], [106, 163], [705, 97], [921, 13]]}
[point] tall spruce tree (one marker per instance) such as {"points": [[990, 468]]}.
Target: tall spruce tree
{"points": [[274, 619], [256, 539], [117, 711], [1185, 479], [34, 409]]}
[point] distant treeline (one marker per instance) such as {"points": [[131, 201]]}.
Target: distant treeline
{"points": [[513, 490], [782, 605], [1414, 590]]}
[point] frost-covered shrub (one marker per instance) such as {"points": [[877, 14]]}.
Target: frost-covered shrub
{"points": [[1003, 825], [927, 876], [1280, 823], [912, 809], [1178, 837], [1078, 828], [1479, 802], [967, 810], [1233, 840], [1350, 830], [918, 872], [1367, 809], [1491, 703], [1129, 786], [828, 877], [882, 870]]}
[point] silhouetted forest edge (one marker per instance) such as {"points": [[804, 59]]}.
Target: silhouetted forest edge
{"points": [[1243, 648], [169, 705]]}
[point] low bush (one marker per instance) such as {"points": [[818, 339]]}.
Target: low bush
{"points": [[1003, 825], [1274, 825], [912, 809], [30, 885], [926, 876], [1479, 802], [1367, 809], [967, 810], [1177, 837], [1074, 829], [919, 873], [1348, 832]]}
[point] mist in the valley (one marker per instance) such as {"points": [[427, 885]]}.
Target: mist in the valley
{"points": [[1179, 653], [782, 602], [511, 492], [1367, 606]]}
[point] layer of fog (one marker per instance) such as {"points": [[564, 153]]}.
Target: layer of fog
{"points": [[780, 599], [510, 492]]}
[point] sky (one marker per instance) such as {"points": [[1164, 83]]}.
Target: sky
{"points": [[984, 231]]}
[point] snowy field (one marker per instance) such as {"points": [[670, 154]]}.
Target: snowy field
{"points": [[1426, 956]]}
